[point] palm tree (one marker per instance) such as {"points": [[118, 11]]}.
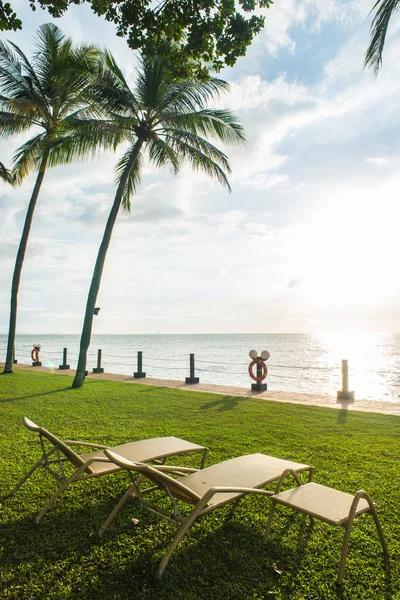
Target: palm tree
{"points": [[379, 27], [170, 120], [44, 94]]}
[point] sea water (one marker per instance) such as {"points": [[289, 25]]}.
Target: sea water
{"points": [[299, 362]]}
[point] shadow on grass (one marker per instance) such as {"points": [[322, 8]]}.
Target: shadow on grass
{"points": [[343, 413], [224, 403], [220, 558], [36, 395]]}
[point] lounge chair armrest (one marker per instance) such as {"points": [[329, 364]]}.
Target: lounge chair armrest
{"points": [[232, 490], [96, 459], [173, 469], [358, 496], [88, 444], [287, 473], [240, 490]]}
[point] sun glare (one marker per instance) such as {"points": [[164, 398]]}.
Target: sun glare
{"points": [[347, 255]]}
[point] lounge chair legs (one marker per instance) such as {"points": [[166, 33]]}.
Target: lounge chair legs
{"points": [[40, 463], [184, 527], [58, 493], [111, 517], [269, 522]]}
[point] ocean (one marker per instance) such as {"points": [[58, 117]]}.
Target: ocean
{"points": [[298, 362]]}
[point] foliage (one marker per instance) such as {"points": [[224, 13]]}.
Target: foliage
{"points": [[214, 32], [44, 93], [5, 174], [379, 26], [223, 555], [166, 116], [8, 18]]}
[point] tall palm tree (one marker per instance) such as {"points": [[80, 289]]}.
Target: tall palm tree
{"points": [[379, 26], [44, 94], [171, 121]]}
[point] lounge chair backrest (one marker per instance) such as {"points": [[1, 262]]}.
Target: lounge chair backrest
{"points": [[161, 479], [66, 450]]}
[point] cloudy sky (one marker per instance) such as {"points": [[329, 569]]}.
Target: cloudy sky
{"points": [[307, 241]]}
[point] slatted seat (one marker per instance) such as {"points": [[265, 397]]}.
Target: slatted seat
{"points": [[56, 453], [205, 489], [328, 505]]}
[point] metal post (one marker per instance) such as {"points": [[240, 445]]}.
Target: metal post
{"points": [[98, 369], [192, 378], [139, 373], [14, 359], [344, 393], [64, 366]]}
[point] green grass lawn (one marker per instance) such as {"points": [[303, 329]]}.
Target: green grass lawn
{"points": [[223, 556]]}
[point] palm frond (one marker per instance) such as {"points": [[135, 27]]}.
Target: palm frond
{"points": [[175, 138], [220, 124], [48, 43], [14, 124], [162, 154], [110, 91], [12, 81], [191, 96], [28, 157], [134, 175], [83, 138], [201, 161], [379, 27], [5, 174], [35, 85]]}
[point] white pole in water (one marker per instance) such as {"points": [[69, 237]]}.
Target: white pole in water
{"points": [[344, 393]]}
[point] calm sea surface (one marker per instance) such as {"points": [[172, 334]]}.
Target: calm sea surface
{"points": [[299, 362]]}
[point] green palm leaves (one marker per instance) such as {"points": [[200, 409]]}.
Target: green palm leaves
{"points": [[168, 121], [45, 94], [77, 101], [379, 27]]}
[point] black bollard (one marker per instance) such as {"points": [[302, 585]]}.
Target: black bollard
{"points": [[99, 368], [139, 373], [14, 359], [192, 378], [64, 365]]}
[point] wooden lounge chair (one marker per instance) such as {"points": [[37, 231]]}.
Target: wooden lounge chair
{"points": [[329, 505], [96, 463], [206, 489]]}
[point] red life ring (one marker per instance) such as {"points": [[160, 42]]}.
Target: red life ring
{"points": [[35, 355], [258, 361]]}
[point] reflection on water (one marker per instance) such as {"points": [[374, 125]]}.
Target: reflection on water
{"points": [[299, 362], [374, 362]]}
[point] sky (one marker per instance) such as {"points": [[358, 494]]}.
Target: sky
{"points": [[306, 242]]}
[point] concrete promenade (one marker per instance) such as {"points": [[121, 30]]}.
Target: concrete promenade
{"points": [[389, 408]]}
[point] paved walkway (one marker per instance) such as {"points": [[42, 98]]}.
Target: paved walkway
{"points": [[389, 408]]}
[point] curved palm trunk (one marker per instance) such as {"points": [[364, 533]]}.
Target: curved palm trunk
{"points": [[98, 270], [8, 367]]}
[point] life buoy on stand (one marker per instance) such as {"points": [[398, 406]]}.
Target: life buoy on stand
{"points": [[258, 361], [35, 355]]}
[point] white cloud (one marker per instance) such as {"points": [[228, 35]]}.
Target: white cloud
{"points": [[302, 225]]}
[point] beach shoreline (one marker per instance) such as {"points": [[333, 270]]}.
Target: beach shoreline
{"points": [[321, 400]]}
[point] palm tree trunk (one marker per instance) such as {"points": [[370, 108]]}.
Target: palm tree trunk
{"points": [[8, 367], [98, 270]]}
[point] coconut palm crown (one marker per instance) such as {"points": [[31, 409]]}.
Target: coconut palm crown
{"points": [[161, 118], [42, 97], [379, 27]]}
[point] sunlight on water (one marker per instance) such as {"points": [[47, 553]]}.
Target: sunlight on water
{"points": [[299, 362], [373, 363]]}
